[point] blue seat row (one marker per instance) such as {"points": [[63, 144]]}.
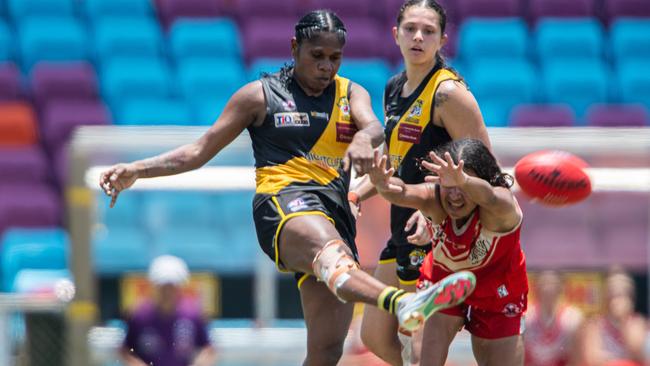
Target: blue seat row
{"points": [[28, 257], [501, 84], [92, 9], [204, 248], [554, 38], [142, 91], [55, 38]]}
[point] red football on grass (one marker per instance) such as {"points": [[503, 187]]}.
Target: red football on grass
{"points": [[553, 177]]}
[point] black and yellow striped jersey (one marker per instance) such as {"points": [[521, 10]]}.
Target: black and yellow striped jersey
{"points": [[303, 139], [411, 133]]}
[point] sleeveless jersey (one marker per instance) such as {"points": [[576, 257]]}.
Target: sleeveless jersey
{"points": [[495, 258], [612, 341], [549, 344], [302, 140], [411, 134]]}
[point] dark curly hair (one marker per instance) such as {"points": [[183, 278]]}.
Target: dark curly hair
{"points": [[477, 157]]}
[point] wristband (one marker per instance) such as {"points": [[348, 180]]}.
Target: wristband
{"points": [[354, 198]]}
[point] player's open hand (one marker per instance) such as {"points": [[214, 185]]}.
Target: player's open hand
{"points": [[116, 179], [380, 175], [448, 173], [422, 234]]}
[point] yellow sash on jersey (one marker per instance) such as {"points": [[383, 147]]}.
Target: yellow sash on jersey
{"points": [[324, 158], [411, 126]]}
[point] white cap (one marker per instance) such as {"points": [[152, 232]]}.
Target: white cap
{"points": [[168, 269]]}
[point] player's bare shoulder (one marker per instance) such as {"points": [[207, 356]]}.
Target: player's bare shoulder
{"points": [[249, 99], [451, 90], [456, 109]]}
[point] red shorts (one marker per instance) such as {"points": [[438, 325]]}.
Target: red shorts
{"points": [[491, 324]]}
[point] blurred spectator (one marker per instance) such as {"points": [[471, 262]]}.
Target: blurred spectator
{"points": [[167, 331], [551, 325], [617, 336]]}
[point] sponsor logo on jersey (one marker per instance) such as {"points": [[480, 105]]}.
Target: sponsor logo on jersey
{"points": [[322, 115], [345, 132], [395, 160], [324, 161], [289, 105], [291, 119], [409, 133], [344, 107], [416, 112], [502, 291]]}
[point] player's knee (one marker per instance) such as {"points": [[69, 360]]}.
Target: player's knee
{"points": [[332, 264], [325, 354], [382, 343]]}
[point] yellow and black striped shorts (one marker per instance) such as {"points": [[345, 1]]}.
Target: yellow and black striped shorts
{"points": [[271, 212]]}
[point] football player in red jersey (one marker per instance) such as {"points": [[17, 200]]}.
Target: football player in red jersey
{"points": [[476, 227]]}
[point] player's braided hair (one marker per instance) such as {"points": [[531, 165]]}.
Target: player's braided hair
{"points": [[308, 27], [479, 159]]}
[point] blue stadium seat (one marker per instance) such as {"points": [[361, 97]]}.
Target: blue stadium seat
{"points": [[51, 39], [178, 209], [124, 78], [235, 219], [205, 38], [630, 40], [7, 51], [207, 110], [372, 74], [97, 9], [216, 79], [261, 65], [500, 85], [32, 249], [493, 38], [378, 108], [200, 247], [127, 37], [34, 280], [235, 207], [21, 9], [569, 38], [31, 256], [121, 249], [48, 236], [634, 81], [157, 111], [127, 212], [577, 83]]}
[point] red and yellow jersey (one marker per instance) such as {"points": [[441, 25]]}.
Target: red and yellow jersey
{"points": [[495, 258]]}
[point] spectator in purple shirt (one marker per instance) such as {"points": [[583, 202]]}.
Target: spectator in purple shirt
{"points": [[167, 331]]}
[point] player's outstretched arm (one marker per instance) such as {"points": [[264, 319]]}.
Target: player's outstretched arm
{"points": [[245, 107], [419, 196]]}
